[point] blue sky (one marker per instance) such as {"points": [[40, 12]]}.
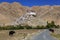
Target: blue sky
{"points": [[34, 2]]}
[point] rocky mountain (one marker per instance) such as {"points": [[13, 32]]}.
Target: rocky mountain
{"points": [[15, 13], [9, 12]]}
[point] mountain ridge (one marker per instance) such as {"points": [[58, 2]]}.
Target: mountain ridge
{"points": [[10, 12]]}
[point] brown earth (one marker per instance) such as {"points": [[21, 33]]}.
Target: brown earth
{"points": [[19, 34], [10, 12]]}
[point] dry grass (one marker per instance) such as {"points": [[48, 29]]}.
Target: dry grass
{"points": [[19, 35], [56, 34]]}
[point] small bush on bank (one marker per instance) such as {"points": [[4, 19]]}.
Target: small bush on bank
{"points": [[28, 27], [39, 27], [52, 25], [12, 27]]}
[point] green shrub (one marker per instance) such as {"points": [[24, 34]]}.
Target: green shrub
{"points": [[17, 27], [50, 25], [57, 26], [12, 27], [27, 27]]}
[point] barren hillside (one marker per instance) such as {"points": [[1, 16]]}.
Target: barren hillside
{"points": [[10, 12]]}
